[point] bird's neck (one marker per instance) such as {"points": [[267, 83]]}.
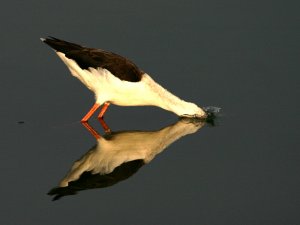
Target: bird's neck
{"points": [[170, 102]]}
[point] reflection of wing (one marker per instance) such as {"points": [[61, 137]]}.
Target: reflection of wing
{"points": [[88, 180], [119, 155]]}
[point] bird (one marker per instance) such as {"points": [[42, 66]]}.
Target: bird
{"points": [[116, 80]]}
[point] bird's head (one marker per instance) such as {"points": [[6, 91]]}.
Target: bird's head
{"points": [[194, 111]]}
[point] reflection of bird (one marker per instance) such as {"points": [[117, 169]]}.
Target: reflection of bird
{"points": [[118, 155], [114, 79]]}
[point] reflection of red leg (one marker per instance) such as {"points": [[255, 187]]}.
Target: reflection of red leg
{"points": [[103, 110], [90, 113], [91, 130], [104, 125]]}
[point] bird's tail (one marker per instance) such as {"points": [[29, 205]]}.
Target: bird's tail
{"points": [[60, 45]]}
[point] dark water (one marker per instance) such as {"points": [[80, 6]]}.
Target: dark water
{"points": [[242, 57]]}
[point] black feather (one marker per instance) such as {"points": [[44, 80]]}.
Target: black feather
{"points": [[87, 58]]}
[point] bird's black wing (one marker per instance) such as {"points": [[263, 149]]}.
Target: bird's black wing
{"points": [[86, 58]]}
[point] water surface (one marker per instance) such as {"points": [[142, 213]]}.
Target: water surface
{"points": [[242, 57]]}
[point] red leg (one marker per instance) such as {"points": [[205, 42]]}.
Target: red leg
{"points": [[91, 130], [103, 110], [104, 125], [90, 113]]}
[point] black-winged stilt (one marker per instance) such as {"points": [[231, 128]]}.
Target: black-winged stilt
{"points": [[116, 80]]}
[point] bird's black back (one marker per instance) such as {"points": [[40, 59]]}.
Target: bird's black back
{"points": [[87, 58]]}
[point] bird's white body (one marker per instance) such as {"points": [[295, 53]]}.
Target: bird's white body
{"points": [[109, 88]]}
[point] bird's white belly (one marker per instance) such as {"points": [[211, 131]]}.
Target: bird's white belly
{"points": [[109, 88]]}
